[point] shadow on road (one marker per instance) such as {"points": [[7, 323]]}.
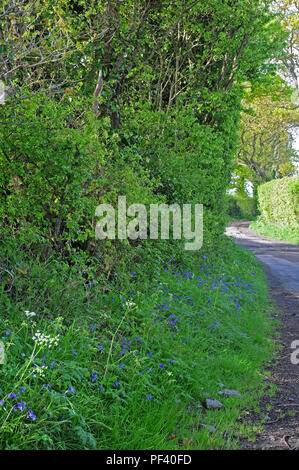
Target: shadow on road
{"points": [[280, 261]]}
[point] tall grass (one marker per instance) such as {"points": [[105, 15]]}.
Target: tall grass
{"points": [[133, 363]]}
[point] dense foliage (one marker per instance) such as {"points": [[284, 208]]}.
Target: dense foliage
{"points": [[115, 343], [279, 202], [265, 148], [241, 206], [140, 99]]}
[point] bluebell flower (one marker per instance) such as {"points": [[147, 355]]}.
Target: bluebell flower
{"points": [[214, 325], [93, 327], [21, 406], [31, 415], [93, 376]]}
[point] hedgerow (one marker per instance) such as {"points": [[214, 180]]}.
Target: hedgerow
{"points": [[279, 202]]}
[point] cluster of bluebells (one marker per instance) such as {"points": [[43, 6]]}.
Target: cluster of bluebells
{"points": [[21, 405], [177, 308], [173, 312]]}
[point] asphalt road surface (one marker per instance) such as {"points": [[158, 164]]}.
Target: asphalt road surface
{"points": [[280, 261], [281, 258]]}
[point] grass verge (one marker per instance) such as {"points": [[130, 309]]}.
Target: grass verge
{"points": [[287, 234], [96, 366]]}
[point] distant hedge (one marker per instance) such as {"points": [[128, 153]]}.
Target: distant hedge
{"points": [[241, 207], [279, 201]]}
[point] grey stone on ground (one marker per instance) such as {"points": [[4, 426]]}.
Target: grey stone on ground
{"points": [[212, 403], [229, 392], [208, 427]]}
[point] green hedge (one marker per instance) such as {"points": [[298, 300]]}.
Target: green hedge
{"points": [[241, 207], [279, 201]]}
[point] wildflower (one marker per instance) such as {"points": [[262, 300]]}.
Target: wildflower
{"points": [[31, 415], [40, 370], [100, 348], [45, 340], [21, 406], [121, 365], [72, 389], [52, 364], [74, 352], [149, 397], [12, 395], [214, 325], [162, 366], [29, 314], [93, 327], [93, 376], [116, 384]]}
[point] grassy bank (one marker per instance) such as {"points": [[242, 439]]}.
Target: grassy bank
{"points": [[91, 365], [285, 233]]}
